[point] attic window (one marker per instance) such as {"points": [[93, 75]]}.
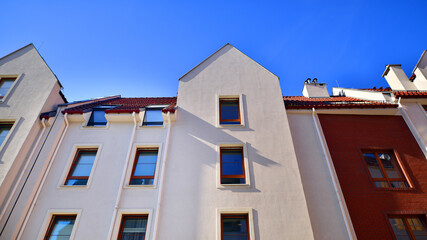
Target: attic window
{"points": [[97, 118], [153, 115]]}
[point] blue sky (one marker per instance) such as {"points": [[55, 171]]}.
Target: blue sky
{"points": [[141, 48]]}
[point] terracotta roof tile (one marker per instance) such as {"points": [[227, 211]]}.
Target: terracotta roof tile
{"points": [[380, 89], [410, 94], [123, 105], [300, 102]]}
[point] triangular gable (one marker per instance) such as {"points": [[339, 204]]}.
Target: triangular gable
{"points": [[217, 53]]}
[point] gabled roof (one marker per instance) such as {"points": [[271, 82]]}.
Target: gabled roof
{"points": [[219, 50], [300, 102], [124, 105]]}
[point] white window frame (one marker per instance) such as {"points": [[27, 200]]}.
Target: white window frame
{"points": [[245, 161], [122, 212], [48, 218], [243, 210], [76, 147], [17, 78], [131, 161], [241, 109]]}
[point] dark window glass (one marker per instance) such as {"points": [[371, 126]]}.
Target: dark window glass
{"points": [[5, 85], [98, 117], [144, 167], [60, 227], [133, 227], [235, 227], [81, 167], [232, 166], [384, 170], [229, 111], [409, 228], [153, 117], [4, 131]]}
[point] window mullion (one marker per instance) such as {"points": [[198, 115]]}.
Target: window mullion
{"points": [[382, 169], [409, 230]]}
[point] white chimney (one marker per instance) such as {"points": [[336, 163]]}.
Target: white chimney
{"points": [[397, 78], [315, 90], [420, 73]]}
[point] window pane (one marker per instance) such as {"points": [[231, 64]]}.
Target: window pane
{"points": [[153, 117], [62, 228], [232, 181], [418, 228], [235, 228], [98, 118], [5, 85], [76, 182], [399, 229], [142, 181], [389, 165], [232, 162], [229, 110], [399, 184], [381, 184], [84, 164], [4, 131], [374, 168], [134, 228], [145, 169]]}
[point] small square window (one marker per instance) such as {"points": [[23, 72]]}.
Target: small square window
{"points": [[4, 131], [234, 227], [232, 165], [5, 85], [133, 227], [60, 227], [153, 117], [81, 167], [144, 167], [229, 111], [384, 169], [408, 227]]}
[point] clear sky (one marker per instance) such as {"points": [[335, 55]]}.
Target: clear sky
{"points": [[141, 48]]}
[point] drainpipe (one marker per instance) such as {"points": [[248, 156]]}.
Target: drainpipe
{"points": [[332, 173], [412, 128], [46, 172], [22, 174], [160, 191], [119, 194]]}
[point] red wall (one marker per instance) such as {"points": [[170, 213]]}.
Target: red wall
{"points": [[346, 136]]}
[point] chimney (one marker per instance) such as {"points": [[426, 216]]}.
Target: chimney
{"points": [[419, 75], [314, 89], [397, 78]]}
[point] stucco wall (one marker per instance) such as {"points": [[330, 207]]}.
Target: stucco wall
{"points": [[191, 195]]}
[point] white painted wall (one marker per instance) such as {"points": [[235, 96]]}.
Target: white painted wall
{"points": [[361, 94], [191, 197], [325, 214], [35, 90]]}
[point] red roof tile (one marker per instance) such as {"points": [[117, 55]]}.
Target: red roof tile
{"points": [[300, 102], [410, 94], [380, 89], [124, 105]]}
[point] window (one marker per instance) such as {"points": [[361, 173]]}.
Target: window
{"points": [[97, 118], [408, 227], [384, 170], [232, 165], [4, 131], [81, 167], [153, 117], [5, 85], [144, 167], [229, 111], [234, 227], [133, 227], [60, 227]]}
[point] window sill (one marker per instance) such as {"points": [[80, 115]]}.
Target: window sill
{"points": [[233, 186], [72, 187], [230, 126], [140, 186], [96, 127], [152, 126], [395, 189]]}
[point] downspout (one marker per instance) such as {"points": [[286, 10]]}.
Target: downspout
{"points": [[332, 173], [119, 194], [412, 128], [159, 193], [22, 174], [46, 172]]}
